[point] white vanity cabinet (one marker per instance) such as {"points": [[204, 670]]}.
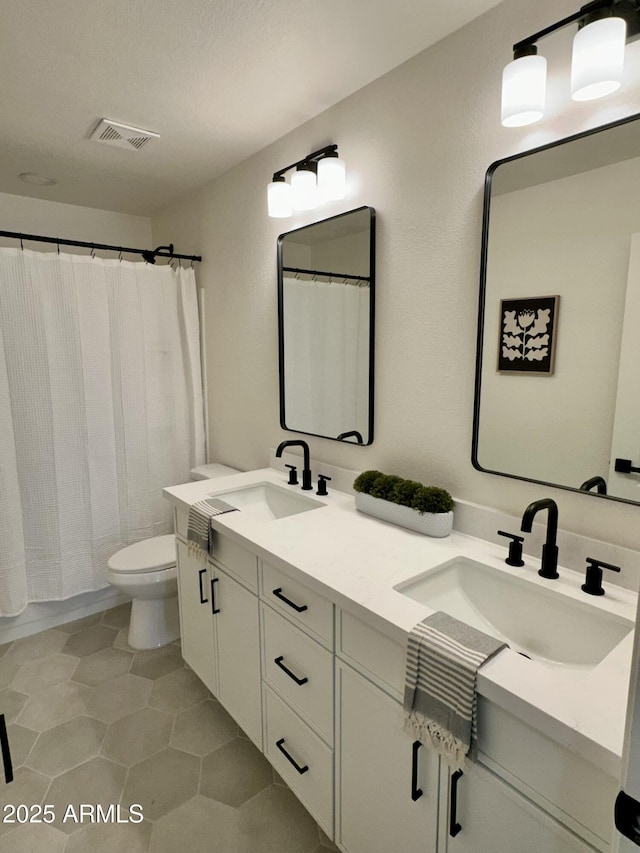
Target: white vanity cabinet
{"points": [[485, 815], [297, 672], [386, 782], [237, 637], [220, 631], [320, 692], [525, 793], [196, 619]]}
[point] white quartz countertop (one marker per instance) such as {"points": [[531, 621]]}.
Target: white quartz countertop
{"points": [[356, 561]]}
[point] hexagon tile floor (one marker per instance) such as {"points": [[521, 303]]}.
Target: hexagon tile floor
{"points": [[90, 720]]}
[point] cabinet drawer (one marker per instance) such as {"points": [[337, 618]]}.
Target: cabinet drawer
{"points": [[287, 648], [240, 562], [373, 654], [554, 777], [307, 608], [301, 758]]}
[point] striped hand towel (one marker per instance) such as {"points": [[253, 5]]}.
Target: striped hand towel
{"points": [[199, 531], [443, 658]]}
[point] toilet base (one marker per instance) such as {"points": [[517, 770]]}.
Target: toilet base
{"points": [[154, 622]]}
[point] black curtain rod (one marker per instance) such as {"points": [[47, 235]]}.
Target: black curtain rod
{"points": [[328, 274], [59, 241]]}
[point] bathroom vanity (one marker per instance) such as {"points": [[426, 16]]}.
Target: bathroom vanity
{"points": [[297, 623]]}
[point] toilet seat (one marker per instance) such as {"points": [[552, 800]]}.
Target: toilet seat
{"points": [[149, 555]]}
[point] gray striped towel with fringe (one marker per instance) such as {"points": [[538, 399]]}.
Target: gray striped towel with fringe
{"points": [[199, 531], [440, 700]]}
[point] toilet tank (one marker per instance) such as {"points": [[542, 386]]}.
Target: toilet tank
{"points": [[213, 469]]}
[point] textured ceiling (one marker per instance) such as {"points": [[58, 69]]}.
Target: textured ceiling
{"points": [[217, 79]]}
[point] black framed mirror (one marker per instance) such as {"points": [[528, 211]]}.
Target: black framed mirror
{"points": [[558, 354], [326, 311]]}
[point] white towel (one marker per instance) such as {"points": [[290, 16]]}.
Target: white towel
{"points": [[440, 701]]}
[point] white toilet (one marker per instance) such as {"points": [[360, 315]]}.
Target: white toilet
{"points": [[146, 572]]}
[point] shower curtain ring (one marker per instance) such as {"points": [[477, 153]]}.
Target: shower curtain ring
{"points": [[21, 244], [93, 251], [120, 257]]}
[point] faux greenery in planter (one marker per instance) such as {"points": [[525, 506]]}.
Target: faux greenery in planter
{"points": [[426, 509]]}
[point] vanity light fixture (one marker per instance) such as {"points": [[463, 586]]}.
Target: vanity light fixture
{"points": [[304, 186], [320, 176], [604, 27]]}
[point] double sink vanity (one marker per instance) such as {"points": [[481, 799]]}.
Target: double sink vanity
{"points": [[297, 622]]}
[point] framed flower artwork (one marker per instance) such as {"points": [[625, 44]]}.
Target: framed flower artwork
{"points": [[528, 335]]}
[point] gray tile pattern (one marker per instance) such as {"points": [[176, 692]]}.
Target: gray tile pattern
{"points": [[93, 721]]}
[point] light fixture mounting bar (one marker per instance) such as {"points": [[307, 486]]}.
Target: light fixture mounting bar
{"points": [[327, 151], [627, 9]]}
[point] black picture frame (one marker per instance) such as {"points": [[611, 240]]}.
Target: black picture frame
{"points": [[527, 336]]}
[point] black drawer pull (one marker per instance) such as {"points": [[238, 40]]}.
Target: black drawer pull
{"points": [[454, 826], [203, 600], [6, 753], [278, 662], [299, 608], [300, 770], [416, 792], [214, 609]]}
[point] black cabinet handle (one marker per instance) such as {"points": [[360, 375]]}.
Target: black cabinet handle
{"points": [[278, 662], [416, 792], [300, 770], [6, 753], [214, 609], [203, 600], [454, 826], [299, 608]]}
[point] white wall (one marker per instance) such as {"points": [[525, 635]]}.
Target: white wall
{"points": [[417, 143], [71, 222]]}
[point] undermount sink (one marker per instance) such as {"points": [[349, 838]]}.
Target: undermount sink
{"points": [[534, 620], [265, 501]]}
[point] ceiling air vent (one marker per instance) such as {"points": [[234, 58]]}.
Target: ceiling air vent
{"points": [[122, 135]]}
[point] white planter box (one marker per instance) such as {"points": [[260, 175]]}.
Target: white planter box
{"points": [[430, 523]]}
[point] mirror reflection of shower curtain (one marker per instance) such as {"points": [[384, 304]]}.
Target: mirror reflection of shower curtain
{"points": [[326, 334], [100, 407]]}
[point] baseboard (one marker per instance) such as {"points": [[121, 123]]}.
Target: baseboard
{"points": [[47, 614]]}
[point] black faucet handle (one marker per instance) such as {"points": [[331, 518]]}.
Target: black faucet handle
{"points": [[593, 579], [515, 548], [322, 485], [293, 475]]}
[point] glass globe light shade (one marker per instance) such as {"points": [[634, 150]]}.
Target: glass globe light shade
{"points": [[523, 90], [279, 199], [597, 59], [332, 184], [304, 187]]}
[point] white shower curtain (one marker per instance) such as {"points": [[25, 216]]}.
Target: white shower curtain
{"points": [[100, 407], [326, 332]]}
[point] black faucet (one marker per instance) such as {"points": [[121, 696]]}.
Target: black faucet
{"points": [[306, 471], [598, 483], [549, 564], [352, 434]]}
